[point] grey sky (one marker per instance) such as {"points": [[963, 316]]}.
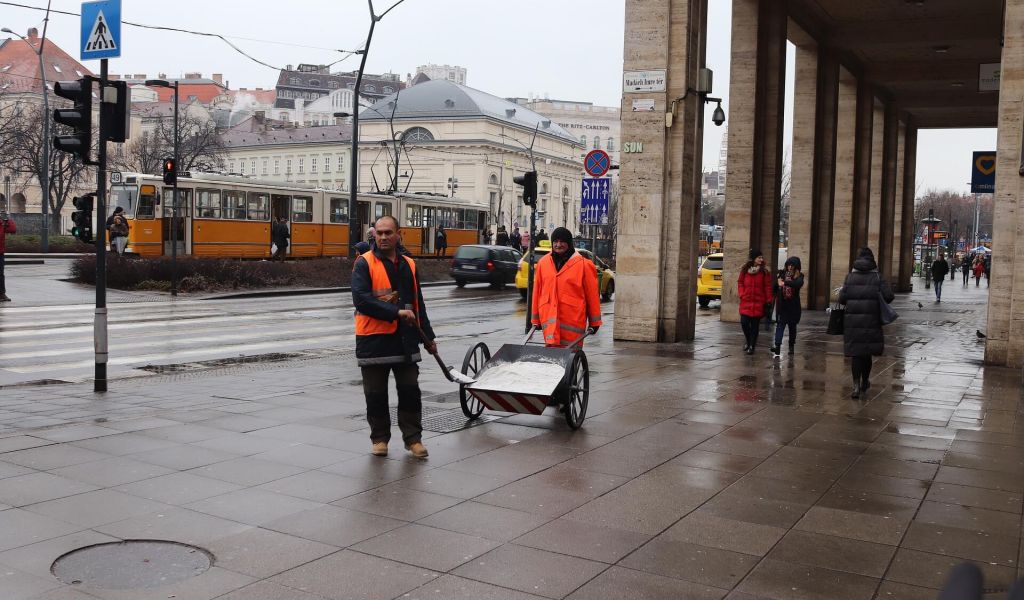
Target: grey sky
{"points": [[566, 49]]}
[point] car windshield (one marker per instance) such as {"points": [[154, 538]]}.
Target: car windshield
{"points": [[714, 264], [471, 252]]}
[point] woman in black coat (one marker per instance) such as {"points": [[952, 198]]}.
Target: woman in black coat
{"points": [[787, 299], [862, 326]]}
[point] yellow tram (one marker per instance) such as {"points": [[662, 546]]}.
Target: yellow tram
{"points": [[230, 216]]}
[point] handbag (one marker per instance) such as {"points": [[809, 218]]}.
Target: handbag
{"points": [[886, 314], [836, 316]]}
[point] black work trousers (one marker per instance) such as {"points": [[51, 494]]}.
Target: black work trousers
{"points": [[410, 410]]}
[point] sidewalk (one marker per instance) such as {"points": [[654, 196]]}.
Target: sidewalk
{"points": [[699, 473]]}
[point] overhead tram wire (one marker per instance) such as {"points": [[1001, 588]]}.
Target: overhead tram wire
{"points": [[347, 53]]}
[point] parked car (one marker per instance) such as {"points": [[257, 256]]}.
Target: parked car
{"points": [[605, 276], [496, 265], [709, 279]]}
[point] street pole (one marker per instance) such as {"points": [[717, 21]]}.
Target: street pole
{"points": [[100, 321], [353, 204], [977, 217], [174, 202]]}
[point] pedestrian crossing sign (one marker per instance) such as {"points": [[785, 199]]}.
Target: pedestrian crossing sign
{"points": [[101, 29]]}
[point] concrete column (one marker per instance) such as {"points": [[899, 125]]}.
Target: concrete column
{"points": [[660, 186], [1005, 343], [801, 182], [819, 271], [875, 191], [862, 166], [897, 218], [907, 222], [756, 95], [845, 159], [890, 133]]}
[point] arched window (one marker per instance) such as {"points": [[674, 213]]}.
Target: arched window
{"points": [[417, 134], [597, 142], [388, 89], [493, 179], [611, 144], [544, 188], [370, 88], [583, 141], [314, 83]]}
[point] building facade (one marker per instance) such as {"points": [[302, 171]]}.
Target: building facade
{"points": [[310, 155], [596, 127], [452, 73], [454, 140]]}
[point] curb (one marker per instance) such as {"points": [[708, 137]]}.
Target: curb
{"points": [[303, 292], [24, 261]]}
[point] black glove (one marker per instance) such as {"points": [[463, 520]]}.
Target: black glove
{"points": [[594, 328]]}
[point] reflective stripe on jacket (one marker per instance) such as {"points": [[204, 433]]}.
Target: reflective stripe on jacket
{"points": [[366, 325], [565, 300]]}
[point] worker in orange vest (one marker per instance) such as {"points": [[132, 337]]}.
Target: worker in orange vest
{"points": [[565, 293], [389, 309]]}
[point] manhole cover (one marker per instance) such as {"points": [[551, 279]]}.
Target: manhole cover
{"points": [[131, 565]]}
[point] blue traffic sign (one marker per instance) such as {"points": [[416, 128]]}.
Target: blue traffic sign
{"points": [[594, 206], [101, 29], [597, 163], [983, 173]]}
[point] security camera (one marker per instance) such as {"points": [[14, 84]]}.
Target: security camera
{"points": [[718, 117]]}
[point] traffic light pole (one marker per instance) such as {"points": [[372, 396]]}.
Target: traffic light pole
{"points": [[174, 203], [529, 263], [100, 320]]}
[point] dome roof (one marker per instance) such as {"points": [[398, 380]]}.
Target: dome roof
{"points": [[440, 99]]}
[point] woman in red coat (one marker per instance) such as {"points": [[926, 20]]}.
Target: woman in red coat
{"points": [[755, 286]]}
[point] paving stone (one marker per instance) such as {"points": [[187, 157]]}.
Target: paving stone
{"points": [[178, 488], [22, 528], [950, 493], [833, 553], [351, 575], [111, 472], [261, 553], [96, 508], [617, 583], [426, 547], [398, 502], [334, 525], [788, 581], [183, 457], [39, 487], [566, 536], [699, 564], [450, 587], [530, 570], [855, 525], [247, 471], [929, 570], [485, 520], [704, 529], [319, 486], [252, 506], [946, 539], [174, 524]]}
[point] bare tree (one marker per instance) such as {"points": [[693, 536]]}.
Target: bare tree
{"points": [[143, 154], [201, 147]]}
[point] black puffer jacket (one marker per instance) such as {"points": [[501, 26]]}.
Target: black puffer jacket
{"points": [[862, 327]]}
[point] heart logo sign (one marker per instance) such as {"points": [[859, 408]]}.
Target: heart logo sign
{"points": [[986, 164]]}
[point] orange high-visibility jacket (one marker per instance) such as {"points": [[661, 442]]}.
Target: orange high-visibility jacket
{"points": [[366, 325], [564, 301]]}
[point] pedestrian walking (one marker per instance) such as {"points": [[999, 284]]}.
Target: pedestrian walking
{"points": [[541, 235], [118, 227], [565, 294], [940, 268], [7, 225], [988, 270], [787, 302], [979, 270], [279, 237], [965, 268], [390, 316], [440, 241], [954, 266], [488, 236], [503, 239], [516, 239], [862, 291], [755, 289]]}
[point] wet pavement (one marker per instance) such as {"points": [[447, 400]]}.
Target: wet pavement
{"points": [[699, 472]]}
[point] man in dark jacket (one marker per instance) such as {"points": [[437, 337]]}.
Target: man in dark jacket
{"points": [[502, 236], [389, 310], [862, 326], [279, 235], [940, 268], [965, 268]]}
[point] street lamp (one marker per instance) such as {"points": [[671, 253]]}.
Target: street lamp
{"points": [[44, 179], [174, 185], [453, 185]]}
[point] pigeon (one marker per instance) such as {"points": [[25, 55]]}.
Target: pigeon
{"points": [[920, 306], [980, 335]]}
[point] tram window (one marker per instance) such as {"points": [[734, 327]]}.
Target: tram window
{"points": [[413, 216], [258, 207], [381, 209], [471, 219], [147, 203], [208, 204], [303, 209], [234, 205], [339, 210], [124, 197], [184, 202]]}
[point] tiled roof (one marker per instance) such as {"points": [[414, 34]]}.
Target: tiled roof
{"points": [[19, 65], [239, 138]]}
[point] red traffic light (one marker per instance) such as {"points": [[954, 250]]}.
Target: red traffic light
{"points": [[170, 171]]}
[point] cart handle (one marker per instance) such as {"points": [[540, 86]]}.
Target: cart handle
{"points": [[529, 334], [579, 340]]}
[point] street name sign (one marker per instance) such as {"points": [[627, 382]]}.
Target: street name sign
{"points": [[643, 81]]}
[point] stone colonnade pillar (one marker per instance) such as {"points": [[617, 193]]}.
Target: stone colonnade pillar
{"points": [[891, 211], [1005, 342], [862, 167], [908, 181], [845, 161], [659, 205], [877, 166], [756, 96]]}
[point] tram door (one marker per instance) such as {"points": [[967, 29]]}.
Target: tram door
{"points": [[279, 206], [363, 212], [429, 218], [182, 225]]}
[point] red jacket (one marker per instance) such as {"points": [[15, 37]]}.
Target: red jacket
{"points": [[9, 227], [755, 292]]}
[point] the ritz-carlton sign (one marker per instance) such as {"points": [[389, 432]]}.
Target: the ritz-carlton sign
{"points": [[583, 126]]}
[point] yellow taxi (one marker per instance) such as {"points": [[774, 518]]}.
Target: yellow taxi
{"points": [[605, 276], [709, 279]]}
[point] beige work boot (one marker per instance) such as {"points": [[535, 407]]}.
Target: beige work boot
{"points": [[417, 449], [380, 449]]}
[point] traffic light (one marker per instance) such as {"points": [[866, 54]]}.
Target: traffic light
{"points": [[170, 171], [529, 182], [116, 111], [79, 118], [82, 218]]}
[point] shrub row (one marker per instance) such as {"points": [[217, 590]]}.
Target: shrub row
{"points": [[60, 244], [217, 274]]}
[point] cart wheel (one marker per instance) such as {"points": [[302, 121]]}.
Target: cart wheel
{"points": [[579, 391], [471, 365]]}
